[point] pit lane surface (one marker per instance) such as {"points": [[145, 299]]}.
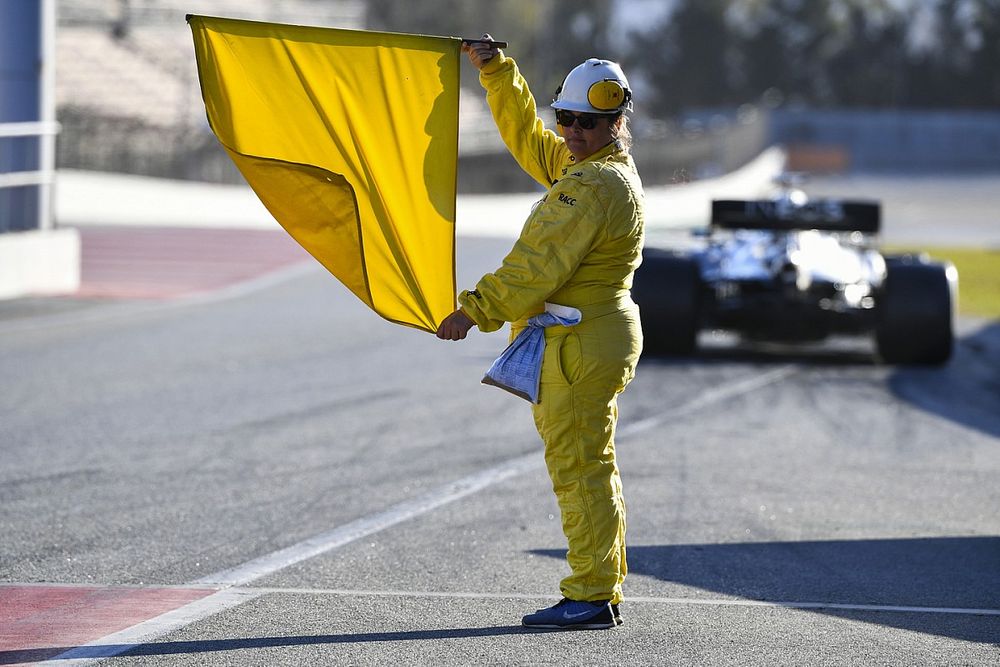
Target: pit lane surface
{"points": [[785, 507]]}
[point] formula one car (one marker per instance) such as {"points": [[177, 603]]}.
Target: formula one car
{"points": [[792, 269]]}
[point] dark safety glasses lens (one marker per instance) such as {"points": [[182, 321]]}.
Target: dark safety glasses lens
{"points": [[567, 118]]}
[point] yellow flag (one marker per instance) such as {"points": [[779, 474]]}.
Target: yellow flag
{"points": [[350, 139]]}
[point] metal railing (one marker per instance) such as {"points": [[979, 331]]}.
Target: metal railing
{"points": [[15, 205]]}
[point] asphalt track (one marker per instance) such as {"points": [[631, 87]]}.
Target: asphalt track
{"points": [[267, 473]]}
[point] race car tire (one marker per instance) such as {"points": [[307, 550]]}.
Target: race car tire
{"points": [[667, 288], [916, 313]]}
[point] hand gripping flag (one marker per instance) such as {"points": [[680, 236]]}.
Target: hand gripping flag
{"points": [[350, 139]]}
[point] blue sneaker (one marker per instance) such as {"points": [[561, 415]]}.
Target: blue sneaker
{"points": [[572, 615]]}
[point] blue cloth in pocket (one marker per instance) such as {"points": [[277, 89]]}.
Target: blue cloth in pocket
{"points": [[518, 369]]}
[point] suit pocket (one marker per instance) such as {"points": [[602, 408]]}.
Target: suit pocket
{"points": [[570, 357]]}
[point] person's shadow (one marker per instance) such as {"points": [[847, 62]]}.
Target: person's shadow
{"points": [[220, 645]]}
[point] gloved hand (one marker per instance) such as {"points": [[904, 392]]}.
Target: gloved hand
{"points": [[455, 327], [480, 53]]}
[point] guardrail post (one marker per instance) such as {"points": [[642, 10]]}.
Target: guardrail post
{"points": [[27, 111], [35, 258]]}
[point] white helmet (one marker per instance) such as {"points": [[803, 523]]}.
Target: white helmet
{"points": [[595, 86]]}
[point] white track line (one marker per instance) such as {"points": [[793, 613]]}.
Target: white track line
{"points": [[318, 544], [255, 569], [365, 526], [129, 638], [719, 602], [707, 398], [839, 606]]}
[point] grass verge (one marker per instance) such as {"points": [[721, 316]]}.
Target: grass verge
{"points": [[978, 277]]}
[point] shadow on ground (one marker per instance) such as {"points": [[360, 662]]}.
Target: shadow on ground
{"points": [[721, 347], [966, 390], [221, 645], [935, 574]]}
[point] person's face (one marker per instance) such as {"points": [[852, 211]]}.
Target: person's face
{"points": [[584, 142]]}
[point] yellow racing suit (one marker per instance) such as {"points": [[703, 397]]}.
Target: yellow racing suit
{"points": [[579, 247]]}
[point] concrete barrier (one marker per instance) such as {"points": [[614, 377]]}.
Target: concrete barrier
{"points": [[39, 263]]}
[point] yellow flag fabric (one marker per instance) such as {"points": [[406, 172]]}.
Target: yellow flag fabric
{"points": [[350, 139]]}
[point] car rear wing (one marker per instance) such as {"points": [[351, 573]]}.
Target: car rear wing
{"points": [[778, 214]]}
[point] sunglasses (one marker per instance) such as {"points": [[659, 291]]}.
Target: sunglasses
{"points": [[587, 121]]}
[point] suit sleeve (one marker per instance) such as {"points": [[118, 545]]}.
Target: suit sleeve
{"points": [[540, 152], [558, 235]]}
